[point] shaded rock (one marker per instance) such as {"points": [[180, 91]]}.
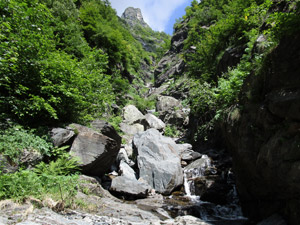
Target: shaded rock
{"points": [[230, 58], [132, 115], [273, 220], [158, 161], [154, 122], [129, 188], [107, 129], [212, 189], [95, 151], [264, 137], [190, 155], [61, 136]]}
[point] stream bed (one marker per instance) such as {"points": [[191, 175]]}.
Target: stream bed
{"points": [[209, 194]]}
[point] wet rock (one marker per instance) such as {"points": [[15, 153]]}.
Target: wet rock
{"points": [[106, 129], [132, 115], [61, 136], [158, 161], [155, 122], [190, 155], [273, 220], [96, 152]]}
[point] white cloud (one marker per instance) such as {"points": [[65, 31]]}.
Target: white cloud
{"points": [[156, 13]]}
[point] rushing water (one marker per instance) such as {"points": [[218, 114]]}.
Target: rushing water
{"points": [[227, 213]]}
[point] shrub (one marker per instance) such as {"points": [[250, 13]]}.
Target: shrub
{"points": [[14, 140]]}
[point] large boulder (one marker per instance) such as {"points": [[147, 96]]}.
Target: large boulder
{"points": [[132, 115], [165, 103], [131, 130], [106, 129], [126, 185], [155, 122], [158, 161], [95, 151], [129, 188]]}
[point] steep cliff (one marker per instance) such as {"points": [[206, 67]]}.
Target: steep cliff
{"points": [[264, 136]]}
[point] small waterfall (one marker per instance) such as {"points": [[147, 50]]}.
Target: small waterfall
{"points": [[195, 171], [204, 170]]}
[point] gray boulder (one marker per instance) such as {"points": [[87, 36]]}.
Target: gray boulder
{"points": [[132, 115], [166, 103], [96, 152], [158, 161], [107, 129], [61, 136], [155, 122], [129, 188], [131, 130], [126, 171]]}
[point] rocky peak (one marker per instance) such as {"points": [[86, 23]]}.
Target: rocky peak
{"points": [[133, 16]]}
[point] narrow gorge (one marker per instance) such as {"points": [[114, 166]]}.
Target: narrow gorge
{"points": [[198, 128]]}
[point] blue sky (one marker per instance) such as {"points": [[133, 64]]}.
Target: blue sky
{"points": [[159, 14]]}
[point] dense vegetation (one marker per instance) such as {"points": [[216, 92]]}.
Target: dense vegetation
{"points": [[64, 61], [218, 27]]}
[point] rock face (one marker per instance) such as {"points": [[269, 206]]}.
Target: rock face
{"points": [[95, 151], [171, 64], [133, 16], [266, 153], [158, 161]]}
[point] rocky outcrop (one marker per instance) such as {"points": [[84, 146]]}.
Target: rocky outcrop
{"points": [[158, 161], [264, 136], [95, 151], [171, 64], [133, 16]]}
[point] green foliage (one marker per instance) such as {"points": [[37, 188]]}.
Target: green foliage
{"points": [[63, 165], [39, 83], [214, 27], [15, 140], [25, 183], [171, 131]]}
